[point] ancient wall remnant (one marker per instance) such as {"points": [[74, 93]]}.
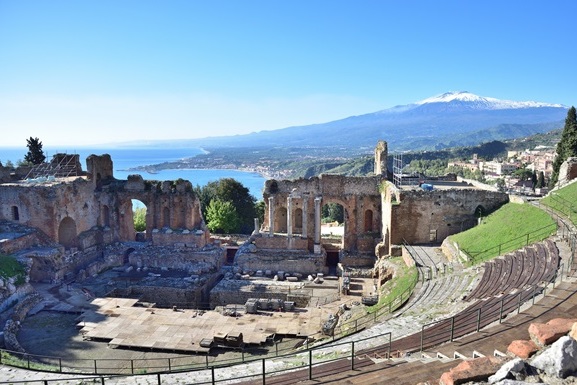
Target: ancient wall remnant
{"points": [[293, 209], [418, 216]]}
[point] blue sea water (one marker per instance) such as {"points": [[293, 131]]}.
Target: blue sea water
{"points": [[125, 158]]}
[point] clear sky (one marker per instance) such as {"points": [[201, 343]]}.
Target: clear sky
{"points": [[92, 72]]}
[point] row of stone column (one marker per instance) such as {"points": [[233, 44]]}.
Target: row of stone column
{"points": [[317, 231]]}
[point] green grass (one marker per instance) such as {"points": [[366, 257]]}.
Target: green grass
{"points": [[10, 267], [509, 228], [564, 200], [404, 280]]}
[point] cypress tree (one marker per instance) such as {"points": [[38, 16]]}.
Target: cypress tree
{"points": [[567, 146], [35, 154]]}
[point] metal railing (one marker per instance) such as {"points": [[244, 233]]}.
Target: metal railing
{"points": [[511, 245]]}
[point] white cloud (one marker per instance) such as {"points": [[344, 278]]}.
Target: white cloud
{"points": [[96, 120]]}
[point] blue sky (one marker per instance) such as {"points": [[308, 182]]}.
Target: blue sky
{"points": [[92, 72]]}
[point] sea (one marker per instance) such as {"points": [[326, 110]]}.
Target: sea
{"points": [[125, 158]]}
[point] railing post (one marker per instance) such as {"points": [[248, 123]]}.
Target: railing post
{"points": [[353, 355], [276, 348], [206, 359], [390, 341], [212, 374], [452, 328], [527, 244], [158, 379], [242, 354], [519, 304], [422, 338], [310, 364], [501, 311], [60, 365], [28, 360], [169, 365], [534, 291], [479, 319], [95, 368], [131, 366], [263, 372]]}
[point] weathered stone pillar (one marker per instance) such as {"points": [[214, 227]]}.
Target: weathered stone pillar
{"points": [[289, 216], [304, 231], [271, 216], [256, 227], [317, 245]]}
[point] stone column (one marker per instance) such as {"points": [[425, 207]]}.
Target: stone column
{"points": [[271, 216], [304, 233], [289, 216], [317, 224], [256, 227]]}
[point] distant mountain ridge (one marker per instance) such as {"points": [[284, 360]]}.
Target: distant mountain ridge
{"points": [[446, 120]]}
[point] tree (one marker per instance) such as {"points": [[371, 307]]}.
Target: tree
{"points": [[259, 208], [35, 154], [333, 212], [567, 146], [540, 180], [221, 217], [230, 190], [140, 219]]}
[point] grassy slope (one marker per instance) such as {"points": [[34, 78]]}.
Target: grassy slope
{"points": [[507, 227], [9, 267], [565, 201]]}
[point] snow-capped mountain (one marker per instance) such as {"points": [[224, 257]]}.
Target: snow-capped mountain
{"points": [[446, 120], [480, 102]]}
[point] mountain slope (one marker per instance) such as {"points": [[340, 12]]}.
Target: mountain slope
{"points": [[450, 119]]}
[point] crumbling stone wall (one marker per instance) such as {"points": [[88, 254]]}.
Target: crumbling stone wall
{"points": [[195, 261], [419, 216], [357, 195], [99, 203]]}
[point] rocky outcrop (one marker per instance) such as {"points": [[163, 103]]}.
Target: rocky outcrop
{"points": [[552, 365]]}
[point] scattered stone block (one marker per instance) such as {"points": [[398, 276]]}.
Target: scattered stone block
{"points": [[514, 369], [292, 279], [259, 273], [560, 359], [546, 334], [573, 332], [523, 348], [268, 273], [478, 369]]}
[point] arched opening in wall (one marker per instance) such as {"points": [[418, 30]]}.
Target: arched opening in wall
{"points": [[368, 221], [280, 219], [126, 255], [105, 216], [15, 213], [298, 221], [139, 219], [166, 217], [67, 233], [332, 224], [480, 212]]}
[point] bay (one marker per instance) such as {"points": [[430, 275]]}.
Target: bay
{"points": [[126, 158]]}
